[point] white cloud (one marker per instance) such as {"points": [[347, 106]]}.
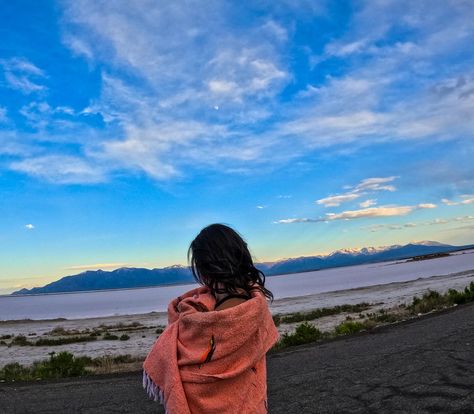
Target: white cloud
{"points": [[345, 49], [366, 186], [449, 202], [165, 66], [334, 201], [368, 203], [260, 207], [60, 169], [465, 199], [376, 184], [22, 75], [438, 221], [223, 87], [297, 220], [29, 226], [382, 211]]}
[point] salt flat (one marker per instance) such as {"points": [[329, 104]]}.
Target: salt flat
{"points": [[385, 296]]}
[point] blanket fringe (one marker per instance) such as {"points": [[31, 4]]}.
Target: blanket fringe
{"points": [[153, 391]]}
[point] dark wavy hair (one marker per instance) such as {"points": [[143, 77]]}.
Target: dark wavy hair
{"points": [[220, 259]]}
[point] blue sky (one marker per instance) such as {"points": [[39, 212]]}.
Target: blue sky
{"points": [[127, 126]]}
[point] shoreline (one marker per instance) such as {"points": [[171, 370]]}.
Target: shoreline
{"points": [[142, 328]]}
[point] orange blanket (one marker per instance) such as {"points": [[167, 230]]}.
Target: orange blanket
{"points": [[210, 361]]}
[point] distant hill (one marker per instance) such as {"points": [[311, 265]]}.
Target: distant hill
{"points": [[138, 277]]}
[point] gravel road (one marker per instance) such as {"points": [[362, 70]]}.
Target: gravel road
{"points": [[421, 366]]}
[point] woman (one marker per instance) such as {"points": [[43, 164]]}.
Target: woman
{"points": [[211, 357]]}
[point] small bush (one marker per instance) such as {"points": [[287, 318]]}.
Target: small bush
{"points": [[6, 336], [110, 337], [15, 372], [349, 327], [465, 296], [124, 337], [64, 340], [60, 365], [59, 331], [20, 340], [159, 330], [429, 301], [304, 333]]}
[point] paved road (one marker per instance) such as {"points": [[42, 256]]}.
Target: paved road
{"points": [[424, 366]]}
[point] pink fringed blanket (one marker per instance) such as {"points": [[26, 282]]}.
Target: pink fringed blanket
{"points": [[210, 361]]}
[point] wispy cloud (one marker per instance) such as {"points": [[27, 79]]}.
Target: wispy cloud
{"points": [[368, 203], [465, 199], [164, 70], [366, 186], [382, 211], [371, 212], [60, 169], [29, 226], [22, 75], [437, 221], [336, 200]]}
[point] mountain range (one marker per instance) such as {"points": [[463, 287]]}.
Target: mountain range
{"points": [[130, 277]]}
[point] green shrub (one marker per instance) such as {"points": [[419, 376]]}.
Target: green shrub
{"points": [[6, 336], [15, 372], [430, 300], [20, 340], [63, 341], [124, 337], [349, 327], [465, 296], [59, 331], [60, 365], [110, 337], [303, 334]]}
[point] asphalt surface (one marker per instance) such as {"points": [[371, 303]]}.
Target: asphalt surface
{"points": [[423, 366]]}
